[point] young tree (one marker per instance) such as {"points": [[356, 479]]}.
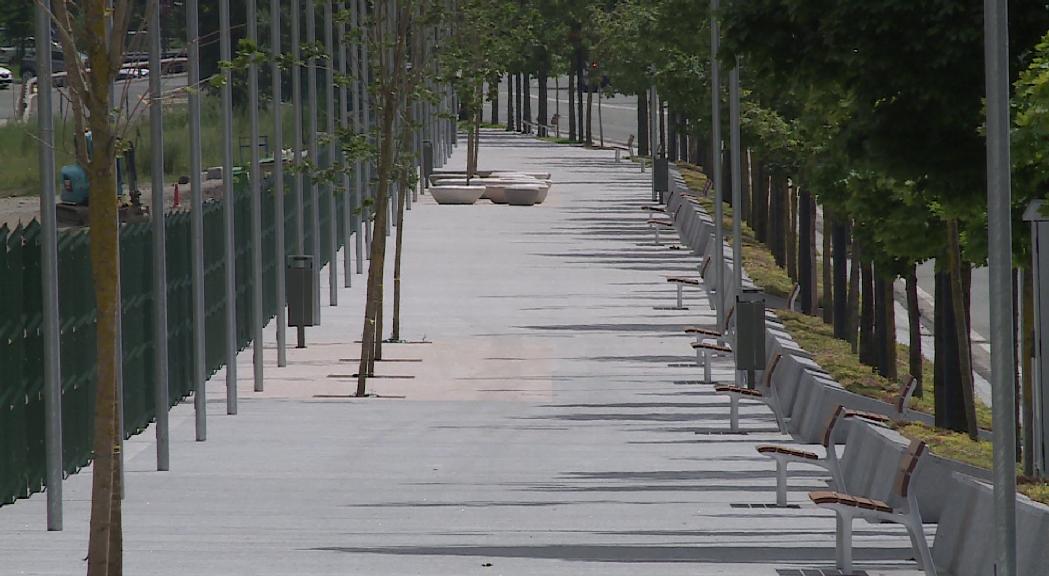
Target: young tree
{"points": [[98, 28]]}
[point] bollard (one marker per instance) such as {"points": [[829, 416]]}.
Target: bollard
{"points": [[301, 294]]}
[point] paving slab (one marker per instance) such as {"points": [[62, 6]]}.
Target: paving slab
{"points": [[547, 420]]}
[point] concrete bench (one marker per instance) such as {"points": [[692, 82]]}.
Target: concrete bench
{"points": [[900, 506]]}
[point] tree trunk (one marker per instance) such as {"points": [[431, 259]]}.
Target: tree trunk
{"points": [[840, 248], [509, 103], [885, 327], [672, 137], [495, 105], [580, 85], [789, 225], [1027, 344], [642, 123], [777, 240], [746, 187], [572, 131], [527, 99], [828, 272], [854, 294], [590, 113], [961, 329], [806, 252], [914, 331], [662, 126], [868, 343], [544, 94], [519, 109], [402, 192]]}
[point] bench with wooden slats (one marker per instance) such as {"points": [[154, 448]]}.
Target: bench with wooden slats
{"points": [[767, 394], [700, 331], [848, 506]]}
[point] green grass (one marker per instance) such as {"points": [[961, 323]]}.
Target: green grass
{"points": [[20, 174], [980, 453]]}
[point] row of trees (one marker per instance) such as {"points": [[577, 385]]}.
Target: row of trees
{"points": [[871, 111]]}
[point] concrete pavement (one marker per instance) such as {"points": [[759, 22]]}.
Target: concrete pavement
{"points": [[548, 421]]}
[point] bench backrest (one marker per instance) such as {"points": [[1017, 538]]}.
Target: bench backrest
{"points": [[728, 318], [832, 422], [906, 391], [907, 466], [772, 368]]}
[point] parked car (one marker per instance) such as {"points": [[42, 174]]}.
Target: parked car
{"points": [[6, 78]]}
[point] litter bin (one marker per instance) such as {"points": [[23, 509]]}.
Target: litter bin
{"points": [[301, 294], [661, 174], [750, 332], [427, 162]]}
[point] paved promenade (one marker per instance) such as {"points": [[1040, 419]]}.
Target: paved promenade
{"points": [[550, 423]]}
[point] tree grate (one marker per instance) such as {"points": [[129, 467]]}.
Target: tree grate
{"points": [[669, 308], [683, 365], [764, 506]]}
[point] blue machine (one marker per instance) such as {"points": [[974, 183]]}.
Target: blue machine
{"points": [[76, 190]]}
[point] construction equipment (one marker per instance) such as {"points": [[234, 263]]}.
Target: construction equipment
{"points": [[72, 209]]}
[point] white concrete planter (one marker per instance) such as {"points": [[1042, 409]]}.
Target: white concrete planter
{"points": [[522, 194], [457, 194]]}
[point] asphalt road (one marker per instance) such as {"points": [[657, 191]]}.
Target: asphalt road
{"points": [[137, 88], [618, 115]]}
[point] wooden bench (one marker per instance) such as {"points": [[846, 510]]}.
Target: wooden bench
{"points": [[766, 394], [786, 455], [702, 333], [705, 351], [848, 506], [656, 224], [680, 282]]}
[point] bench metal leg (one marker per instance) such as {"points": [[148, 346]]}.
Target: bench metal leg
{"points": [[706, 366], [656, 229], [844, 542], [920, 545], [781, 482], [733, 418], [680, 300]]}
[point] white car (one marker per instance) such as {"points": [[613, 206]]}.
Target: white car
{"points": [[6, 78]]}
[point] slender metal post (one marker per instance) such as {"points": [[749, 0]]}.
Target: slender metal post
{"points": [[344, 125], [255, 184], [196, 223], [653, 134], [278, 186], [358, 121], [1003, 344], [366, 120], [161, 400], [715, 131], [296, 104], [737, 192], [333, 150], [314, 118], [228, 207], [49, 270]]}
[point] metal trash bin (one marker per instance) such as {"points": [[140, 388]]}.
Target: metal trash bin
{"points": [[750, 332], [661, 174], [301, 291], [427, 162]]}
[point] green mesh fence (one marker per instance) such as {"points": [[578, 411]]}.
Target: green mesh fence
{"points": [[22, 469]]}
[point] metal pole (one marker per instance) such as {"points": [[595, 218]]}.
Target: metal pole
{"points": [[315, 208], [333, 150], [278, 187], [49, 269], [296, 104], [1003, 345], [196, 223], [228, 207], [161, 400], [355, 99], [737, 191], [344, 124], [653, 133], [715, 131], [255, 183], [367, 122]]}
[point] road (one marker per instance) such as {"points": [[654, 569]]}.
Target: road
{"points": [[618, 115], [137, 88]]}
